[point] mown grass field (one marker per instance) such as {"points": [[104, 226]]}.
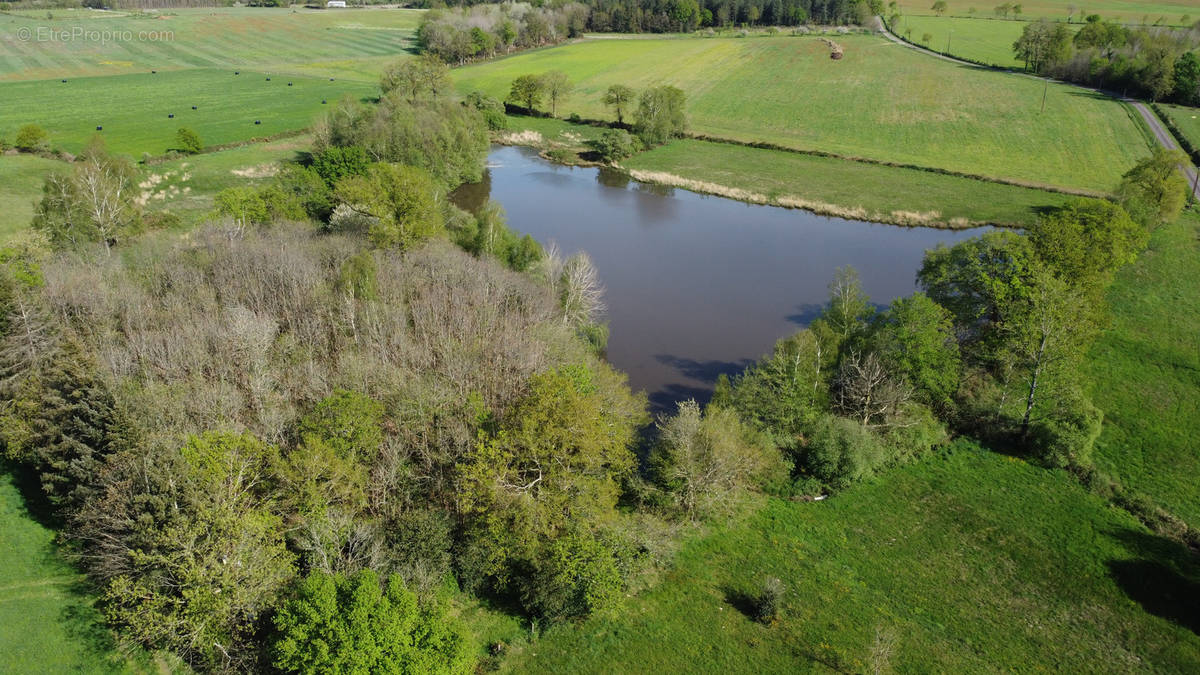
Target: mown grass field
{"points": [[1170, 11], [968, 561], [47, 625], [883, 193], [353, 44], [882, 101], [134, 109], [1145, 373], [21, 179], [1186, 119]]}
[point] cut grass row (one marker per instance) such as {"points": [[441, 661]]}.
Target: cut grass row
{"points": [[355, 44], [881, 101], [1145, 373], [134, 109], [968, 561]]}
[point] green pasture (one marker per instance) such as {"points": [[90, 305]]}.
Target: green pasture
{"points": [[968, 561], [134, 109], [351, 43], [881, 101], [1145, 373], [880, 191], [1127, 11]]}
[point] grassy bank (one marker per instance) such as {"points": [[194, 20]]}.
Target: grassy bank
{"points": [[840, 187], [353, 44], [965, 562], [1145, 373], [134, 109], [881, 101]]}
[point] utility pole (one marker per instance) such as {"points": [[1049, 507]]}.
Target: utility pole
{"points": [[948, 40], [1044, 92]]}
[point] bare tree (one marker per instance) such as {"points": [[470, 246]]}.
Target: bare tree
{"points": [[864, 390]]}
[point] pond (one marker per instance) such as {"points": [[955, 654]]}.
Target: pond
{"points": [[696, 285]]}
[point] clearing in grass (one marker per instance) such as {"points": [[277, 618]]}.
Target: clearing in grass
{"points": [[881, 101]]}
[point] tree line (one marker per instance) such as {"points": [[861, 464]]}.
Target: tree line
{"points": [[1154, 62]]}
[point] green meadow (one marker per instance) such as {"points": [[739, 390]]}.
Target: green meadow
{"points": [[882, 101], [354, 44], [1145, 373], [968, 561], [134, 109]]}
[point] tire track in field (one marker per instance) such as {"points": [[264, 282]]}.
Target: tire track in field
{"points": [[1160, 132]]}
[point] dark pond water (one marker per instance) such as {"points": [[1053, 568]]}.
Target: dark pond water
{"points": [[696, 286]]}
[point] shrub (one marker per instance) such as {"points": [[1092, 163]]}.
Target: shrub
{"points": [[188, 141], [32, 138], [577, 575], [841, 451], [339, 623], [334, 164], [614, 145], [1067, 436], [768, 606], [562, 155]]}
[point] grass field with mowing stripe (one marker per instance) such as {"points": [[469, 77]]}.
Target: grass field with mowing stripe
{"points": [[1145, 373], [968, 561], [882, 101], [134, 109], [885, 194], [355, 44]]}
